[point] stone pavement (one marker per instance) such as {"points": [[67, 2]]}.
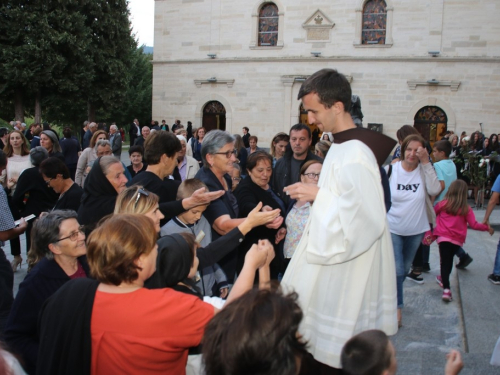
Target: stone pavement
{"points": [[431, 327]]}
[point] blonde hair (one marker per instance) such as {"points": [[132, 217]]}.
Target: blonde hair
{"points": [[456, 199], [127, 201], [114, 247]]}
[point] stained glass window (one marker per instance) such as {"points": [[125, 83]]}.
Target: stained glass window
{"points": [[431, 122], [214, 107], [268, 25], [374, 22]]}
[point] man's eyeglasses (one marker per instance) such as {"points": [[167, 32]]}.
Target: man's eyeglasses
{"points": [[74, 236], [48, 181], [227, 153], [312, 176], [139, 193]]}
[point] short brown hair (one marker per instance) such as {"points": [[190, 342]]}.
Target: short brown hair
{"points": [[444, 146], [307, 164], [115, 245], [407, 140], [257, 156], [159, 143], [366, 353], [405, 131], [253, 137], [255, 334], [188, 187]]}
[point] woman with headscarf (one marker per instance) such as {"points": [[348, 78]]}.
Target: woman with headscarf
{"points": [[50, 141], [104, 182]]}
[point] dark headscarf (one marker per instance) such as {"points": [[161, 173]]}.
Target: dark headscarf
{"points": [[98, 199], [173, 263]]}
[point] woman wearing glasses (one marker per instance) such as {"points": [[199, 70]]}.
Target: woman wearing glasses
{"points": [[252, 190], [298, 211], [56, 257], [218, 154]]}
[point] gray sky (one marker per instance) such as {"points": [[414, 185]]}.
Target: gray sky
{"points": [[142, 13]]}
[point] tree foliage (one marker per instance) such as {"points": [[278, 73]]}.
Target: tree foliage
{"points": [[76, 55]]}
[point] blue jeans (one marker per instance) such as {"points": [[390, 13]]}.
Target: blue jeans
{"points": [[405, 248], [496, 268]]}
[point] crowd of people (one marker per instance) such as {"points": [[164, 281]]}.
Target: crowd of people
{"points": [[173, 264]]}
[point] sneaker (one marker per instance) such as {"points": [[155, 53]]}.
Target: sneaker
{"points": [[415, 278], [439, 281], [447, 295], [426, 267], [464, 262], [494, 279]]}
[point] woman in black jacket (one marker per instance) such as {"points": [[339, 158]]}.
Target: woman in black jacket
{"points": [[252, 190]]}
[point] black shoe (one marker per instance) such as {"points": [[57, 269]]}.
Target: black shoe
{"points": [[464, 262], [415, 278], [426, 267], [494, 279]]}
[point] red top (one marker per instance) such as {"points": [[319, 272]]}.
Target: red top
{"points": [[146, 331], [80, 272]]}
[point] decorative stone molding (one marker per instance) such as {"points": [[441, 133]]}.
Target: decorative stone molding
{"points": [[289, 80], [199, 82], [318, 27], [433, 83]]}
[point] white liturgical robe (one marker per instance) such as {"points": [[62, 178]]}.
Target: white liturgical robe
{"points": [[343, 269]]}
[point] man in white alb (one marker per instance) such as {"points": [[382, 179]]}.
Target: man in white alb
{"points": [[343, 269]]}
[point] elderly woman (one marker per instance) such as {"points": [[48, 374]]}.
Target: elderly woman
{"points": [[104, 182], [187, 165], [56, 176], [298, 211], [57, 256], [218, 155], [413, 181], [30, 184], [252, 190], [87, 157], [50, 141], [17, 152], [137, 165]]}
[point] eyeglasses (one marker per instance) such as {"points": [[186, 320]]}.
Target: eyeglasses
{"points": [[236, 178], [139, 193], [312, 176], [74, 236], [48, 181], [227, 153]]}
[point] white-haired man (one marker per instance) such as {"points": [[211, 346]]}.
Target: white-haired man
{"points": [[115, 139]]}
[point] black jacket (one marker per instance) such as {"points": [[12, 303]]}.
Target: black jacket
{"points": [[282, 173], [249, 195], [98, 199]]}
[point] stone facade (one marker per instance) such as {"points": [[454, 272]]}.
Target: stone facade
{"points": [[258, 86]]}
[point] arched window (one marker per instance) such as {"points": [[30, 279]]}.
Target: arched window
{"points": [[268, 25], [374, 22], [431, 122]]}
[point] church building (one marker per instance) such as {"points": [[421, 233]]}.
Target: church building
{"points": [[225, 64]]}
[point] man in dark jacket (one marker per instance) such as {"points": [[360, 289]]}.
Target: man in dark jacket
{"points": [[246, 136], [287, 168]]}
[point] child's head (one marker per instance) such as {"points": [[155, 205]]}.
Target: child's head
{"points": [[177, 260], [186, 189], [456, 198], [369, 353], [441, 150]]}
